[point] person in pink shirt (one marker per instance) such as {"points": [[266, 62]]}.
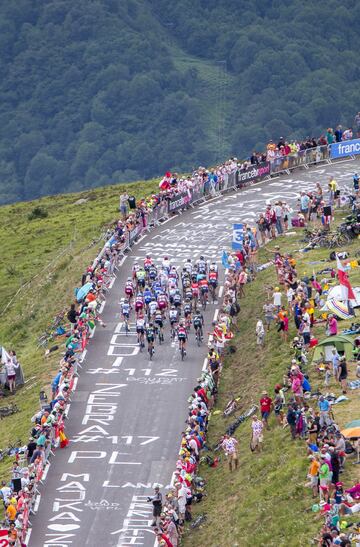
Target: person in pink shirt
{"points": [[332, 325]]}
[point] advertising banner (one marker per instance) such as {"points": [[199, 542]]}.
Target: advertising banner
{"points": [[238, 236], [253, 173], [345, 148], [178, 201]]}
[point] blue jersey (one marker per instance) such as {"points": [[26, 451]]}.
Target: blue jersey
{"points": [[147, 296]]}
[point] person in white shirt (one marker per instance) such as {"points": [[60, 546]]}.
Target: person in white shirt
{"points": [[277, 296], [260, 333]]}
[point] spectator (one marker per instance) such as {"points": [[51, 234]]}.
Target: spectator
{"points": [[257, 427], [156, 500], [229, 445], [260, 333], [265, 408]]}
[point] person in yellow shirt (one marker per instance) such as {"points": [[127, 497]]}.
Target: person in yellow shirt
{"points": [[313, 474], [334, 192], [11, 512]]}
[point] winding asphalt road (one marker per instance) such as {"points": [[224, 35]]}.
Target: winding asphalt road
{"points": [[127, 413]]}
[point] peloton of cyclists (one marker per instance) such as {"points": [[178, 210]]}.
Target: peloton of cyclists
{"points": [[160, 293]]}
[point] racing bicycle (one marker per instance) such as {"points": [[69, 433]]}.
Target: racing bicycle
{"points": [[198, 334], [204, 299]]}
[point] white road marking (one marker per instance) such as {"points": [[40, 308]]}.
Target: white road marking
{"points": [[47, 467], [216, 314], [221, 290], [67, 410], [204, 367]]}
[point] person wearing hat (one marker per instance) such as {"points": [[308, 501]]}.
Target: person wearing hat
{"points": [[156, 500], [229, 445]]}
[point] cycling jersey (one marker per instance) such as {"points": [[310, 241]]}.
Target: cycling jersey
{"points": [[162, 301], [150, 334], [147, 296], [203, 285], [213, 278], [177, 300], [157, 289], [166, 264], [125, 308], [140, 274], [188, 267], [198, 321], [140, 325], [195, 289], [152, 272], [186, 282], [129, 288], [158, 319], [188, 293], [200, 276], [187, 309], [139, 302], [173, 274], [201, 266], [181, 333], [173, 316], [147, 264], [153, 307]]}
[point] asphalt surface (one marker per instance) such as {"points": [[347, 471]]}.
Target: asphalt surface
{"points": [[127, 413]]}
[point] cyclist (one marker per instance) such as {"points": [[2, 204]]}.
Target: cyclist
{"points": [[182, 336], [204, 289], [185, 280], [213, 280], [202, 266], [141, 278], [140, 329], [139, 303], [129, 289], [152, 273], [147, 263], [147, 296], [198, 322], [195, 291], [163, 278], [172, 290], [150, 336], [162, 303], [174, 319], [173, 274], [157, 289], [188, 293], [187, 313], [159, 322], [153, 306], [188, 266], [125, 308], [177, 299], [166, 264], [135, 269]]}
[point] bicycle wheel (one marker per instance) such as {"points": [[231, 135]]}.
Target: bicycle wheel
{"points": [[150, 350], [182, 352], [198, 337], [126, 327]]}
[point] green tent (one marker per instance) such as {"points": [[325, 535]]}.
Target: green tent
{"points": [[343, 343]]}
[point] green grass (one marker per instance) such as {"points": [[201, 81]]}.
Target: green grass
{"points": [[30, 250], [265, 502]]}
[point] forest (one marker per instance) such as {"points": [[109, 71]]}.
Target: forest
{"points": [[95, 92]]}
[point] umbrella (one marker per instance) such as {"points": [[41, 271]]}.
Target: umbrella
{"points": [[354, 423], [82, 292], [351, 432], [338, 308]]}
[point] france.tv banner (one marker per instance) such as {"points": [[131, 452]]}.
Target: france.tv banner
{"points": [[345, 148]]}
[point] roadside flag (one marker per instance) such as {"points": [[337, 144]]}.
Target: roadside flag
{"points": [[347, 291], [224, 260], [238, 236]]}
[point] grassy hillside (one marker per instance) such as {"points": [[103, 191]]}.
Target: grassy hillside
{"points": [[49, 256], [265, 502]]}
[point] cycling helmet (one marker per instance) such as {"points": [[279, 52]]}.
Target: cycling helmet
{"points": [[148, 256], [129, 278], [188, 260], [212, 267], [202, 258], [150, 324], [173, 307]]}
